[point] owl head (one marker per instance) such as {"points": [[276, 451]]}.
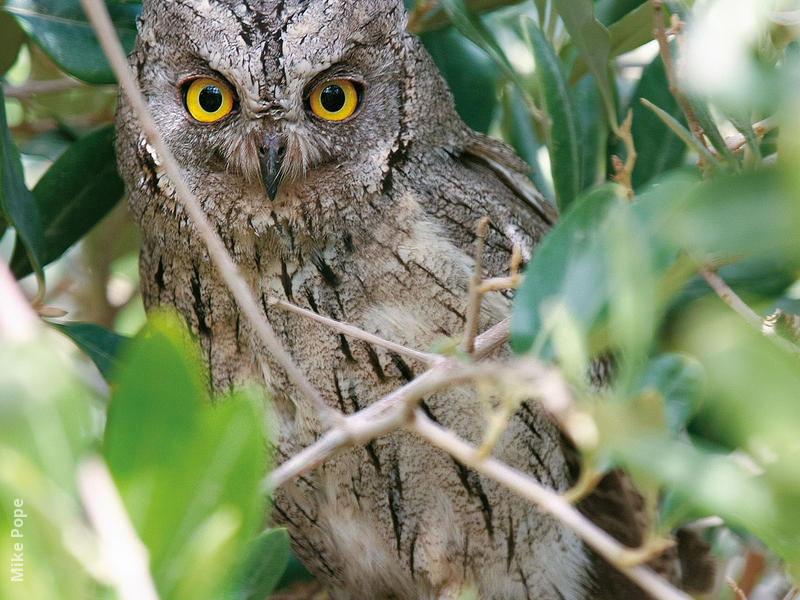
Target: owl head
{"points": [[276, 92]]}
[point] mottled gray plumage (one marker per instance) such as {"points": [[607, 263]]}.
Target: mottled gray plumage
{"points": [[373, 223]]}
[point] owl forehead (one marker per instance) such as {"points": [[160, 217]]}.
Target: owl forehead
{"points": [[271, 47]]}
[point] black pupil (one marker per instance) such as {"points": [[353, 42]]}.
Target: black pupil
{"points": [[333, 98], [210, 98]]}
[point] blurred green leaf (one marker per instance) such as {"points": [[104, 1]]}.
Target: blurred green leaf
{"points": [[657, 146], [75, 193], [100, 344], [563, 122], [188, 471], [593, 43], [753, 402], [747, 215], [679, 381], [714, 484], [45, 427], [12, 37], [266, 563], [16, 201], [470, 73], [62, 30], [566, 269]]}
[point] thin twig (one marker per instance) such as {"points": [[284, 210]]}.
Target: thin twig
{"points": [[32, 88], [666, 57], [737, 591], [729, 297], [736, 141], [354, 332], [383, 415], [624, 171], [475, 297], [732, 299], [101, 22], [122, 550], [548, 502]]}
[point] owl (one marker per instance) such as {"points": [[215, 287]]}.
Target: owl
{"points": [[325, 149]]}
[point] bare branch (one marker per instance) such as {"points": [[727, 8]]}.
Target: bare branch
{"points": [[101, 22], [122, 550], [354, 332], [666, 57], [32, 88], [549, 502], [475, 297], [736, 141], [729, 297], [388, 413]]}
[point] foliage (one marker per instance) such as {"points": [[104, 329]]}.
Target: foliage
{"points": [[702, 408]]}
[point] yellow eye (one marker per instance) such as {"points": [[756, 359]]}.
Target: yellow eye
{"points": [[334, 100], [208, 100]]}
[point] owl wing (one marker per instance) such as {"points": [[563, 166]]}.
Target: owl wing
{"points": [[511, 171]]}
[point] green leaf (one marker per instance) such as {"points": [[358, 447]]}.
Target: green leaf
{"points": [[563, 127], [470, 73], [679, 381], [188, 471], [62, 30], [12, 37], [632, 30], [266, 563], [436, 17], [612, 11], [752, 401], [519, 130], [16, 201], [566, 270], [657, 146], [45, 428], [703, 114], [75, 193], [592, 131], [714, 484], [681, 131], [593, 43], [735, 216], [100, 344]]}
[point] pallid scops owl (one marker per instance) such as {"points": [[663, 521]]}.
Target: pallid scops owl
{"points": [[325, 149]]}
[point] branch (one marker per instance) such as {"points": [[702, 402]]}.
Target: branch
{"points": [[390, 412], [101, 22], [666, 57], [125, 554], [548, 502], [32, 88], [729, 297], [354, 332], [475, 297]]}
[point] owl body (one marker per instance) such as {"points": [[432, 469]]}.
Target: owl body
{"points": [[369, 220]]}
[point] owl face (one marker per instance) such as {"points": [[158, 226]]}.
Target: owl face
{"points": [[280, 93]]}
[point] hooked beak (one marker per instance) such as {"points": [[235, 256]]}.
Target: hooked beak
{"points": [[270, 155]]}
